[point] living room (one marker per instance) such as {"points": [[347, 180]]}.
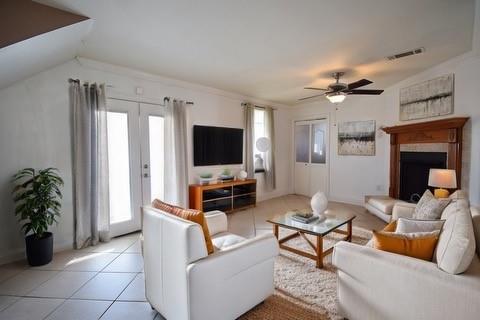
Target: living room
{"points": [[205, 106]]}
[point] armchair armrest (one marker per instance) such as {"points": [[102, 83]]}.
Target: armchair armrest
{"points": [[216, 221], [237, 258], [403, 210]]}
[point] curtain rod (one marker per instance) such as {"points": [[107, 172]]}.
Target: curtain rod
{"points": [[164, 99], [260, 107]]}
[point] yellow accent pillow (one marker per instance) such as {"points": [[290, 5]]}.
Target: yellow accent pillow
{"points": [[391, 227], [420, 245], [197, 217]]}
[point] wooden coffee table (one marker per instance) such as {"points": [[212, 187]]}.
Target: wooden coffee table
{"points": [[319, 229]]}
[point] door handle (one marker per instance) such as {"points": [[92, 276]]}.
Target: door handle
{"points": [[145, 166], [145, 175]]}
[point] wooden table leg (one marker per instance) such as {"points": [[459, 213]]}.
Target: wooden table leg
{"points": [[319, 252], [349, 231], [275, 230]]}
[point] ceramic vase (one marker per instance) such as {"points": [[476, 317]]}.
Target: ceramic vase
{"points": [[319, 204], [242, 175]]}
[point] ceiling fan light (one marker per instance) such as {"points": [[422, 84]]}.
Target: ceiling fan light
{"points": [[337, 97]]}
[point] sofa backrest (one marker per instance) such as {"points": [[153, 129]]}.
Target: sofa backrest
{"points": [[476, 226], [170, 244]]}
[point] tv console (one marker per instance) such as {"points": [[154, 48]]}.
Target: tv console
{"points": [[224, 196]]}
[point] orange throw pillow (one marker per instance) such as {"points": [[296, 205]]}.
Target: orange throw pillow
{"points": [[197, 217], [157, 204], [420, 247], [391, 227]]}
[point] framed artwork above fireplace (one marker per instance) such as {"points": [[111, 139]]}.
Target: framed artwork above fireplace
{"points": [[421, 145]]}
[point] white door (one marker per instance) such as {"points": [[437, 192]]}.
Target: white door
{"points": [[311, 160], [135, 159]]}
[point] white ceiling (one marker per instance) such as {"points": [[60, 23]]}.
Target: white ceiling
{"points": [[271, 49]]}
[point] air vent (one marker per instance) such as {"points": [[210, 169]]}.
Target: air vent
{"points": [[406, 54]]}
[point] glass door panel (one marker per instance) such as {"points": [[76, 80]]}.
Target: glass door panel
{"points": [[157, 149], [302, 132], [119, 167], [318, 149]]}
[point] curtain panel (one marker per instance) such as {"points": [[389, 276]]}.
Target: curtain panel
{"points": [[176, 159], [269, 157], [90, 164], [249, 143]]}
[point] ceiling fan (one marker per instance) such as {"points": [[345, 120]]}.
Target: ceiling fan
{"points": [[338, 91]]}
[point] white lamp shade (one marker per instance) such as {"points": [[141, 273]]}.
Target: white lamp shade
{"points": [[442, 178], [336, 97]]}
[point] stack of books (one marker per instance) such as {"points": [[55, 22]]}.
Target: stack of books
{"points": [[303, 217]]}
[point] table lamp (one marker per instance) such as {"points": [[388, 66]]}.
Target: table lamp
{"points": [[442, 179]]}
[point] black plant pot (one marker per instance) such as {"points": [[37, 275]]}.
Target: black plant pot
{"points": [[39, 250]]}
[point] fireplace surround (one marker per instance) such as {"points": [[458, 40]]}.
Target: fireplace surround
{"points": [[445, 132]]}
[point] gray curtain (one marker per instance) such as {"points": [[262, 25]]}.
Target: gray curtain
{"points": [[269, 161], [176, 159], [249, 143], [90, 164]]}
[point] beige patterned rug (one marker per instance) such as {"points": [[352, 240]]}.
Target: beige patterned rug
{"points": [[303, 292]]}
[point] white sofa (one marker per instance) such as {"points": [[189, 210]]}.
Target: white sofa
{"points": [[183, 282], [374, 284]]}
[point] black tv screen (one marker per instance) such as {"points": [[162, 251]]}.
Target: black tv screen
{"points": [[217, 145]]}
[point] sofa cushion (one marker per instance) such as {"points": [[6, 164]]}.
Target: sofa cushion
{"points": [[456, 245], [419, 245], [429, 207], [383, 203], [197, 217], [414, 225], [224, 240]]}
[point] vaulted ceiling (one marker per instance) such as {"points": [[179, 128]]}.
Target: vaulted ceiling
{"points": [[271, 49]]}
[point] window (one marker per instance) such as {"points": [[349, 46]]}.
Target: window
{"points": [[258, 132]]}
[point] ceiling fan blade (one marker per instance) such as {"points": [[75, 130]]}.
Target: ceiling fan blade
{"points": [[358, 84], [312, 88], [317, 95], [362, 91]]}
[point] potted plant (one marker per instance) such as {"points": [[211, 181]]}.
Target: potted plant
{"points": [[37, 198]]}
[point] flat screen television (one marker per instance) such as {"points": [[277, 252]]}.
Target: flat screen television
{"points": [[217, 146]]}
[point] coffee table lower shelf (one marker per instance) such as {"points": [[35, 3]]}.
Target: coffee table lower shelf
{"points": [[318, 247]]}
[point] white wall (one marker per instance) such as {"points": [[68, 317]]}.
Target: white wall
{"points": [[35, 131], [353, 177]]}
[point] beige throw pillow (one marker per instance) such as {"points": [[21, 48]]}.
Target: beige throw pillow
{"points": [[405, 225], [429, 207]]}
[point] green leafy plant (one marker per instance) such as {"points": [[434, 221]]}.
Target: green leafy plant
{"points": [[37, 197]]}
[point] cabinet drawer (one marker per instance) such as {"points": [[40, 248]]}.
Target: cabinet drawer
{"points": [[217, 193]]}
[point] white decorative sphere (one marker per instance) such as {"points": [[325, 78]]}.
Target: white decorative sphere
{"points": [[263, 144], [319, 204], [242, 175]]}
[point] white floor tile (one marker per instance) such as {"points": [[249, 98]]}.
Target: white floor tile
{"points": [[62, 285], [105, 286], [129, 310], [91, 261], [6, 273], [6, 301], [60, 260], [135, 290], [80, 310], [116, 245], [25, 281], [131, 262], [134, 248], [30, 309], [159, 317]]}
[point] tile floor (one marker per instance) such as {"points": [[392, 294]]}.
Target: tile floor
{"points": [[107, 281]]}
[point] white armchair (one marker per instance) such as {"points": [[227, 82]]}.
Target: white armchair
{"points": [[183, 282]]}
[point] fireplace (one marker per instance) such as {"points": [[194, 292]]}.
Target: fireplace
{"points": [[446, 132], [414, 169]]}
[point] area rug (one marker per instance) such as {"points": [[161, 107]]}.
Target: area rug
{"points": [[303, 292]]}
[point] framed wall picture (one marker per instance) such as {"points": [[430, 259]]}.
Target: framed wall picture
{"points": [[428, 99], [356, 138]]}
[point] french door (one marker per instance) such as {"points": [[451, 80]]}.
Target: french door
{"points": [[135, 160], [311, 158]]}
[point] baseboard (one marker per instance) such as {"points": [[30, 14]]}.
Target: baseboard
{"points": [[19, 253], [347, 200]]}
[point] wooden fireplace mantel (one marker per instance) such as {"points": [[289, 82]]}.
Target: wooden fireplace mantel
{"points": [[448, 130]]}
